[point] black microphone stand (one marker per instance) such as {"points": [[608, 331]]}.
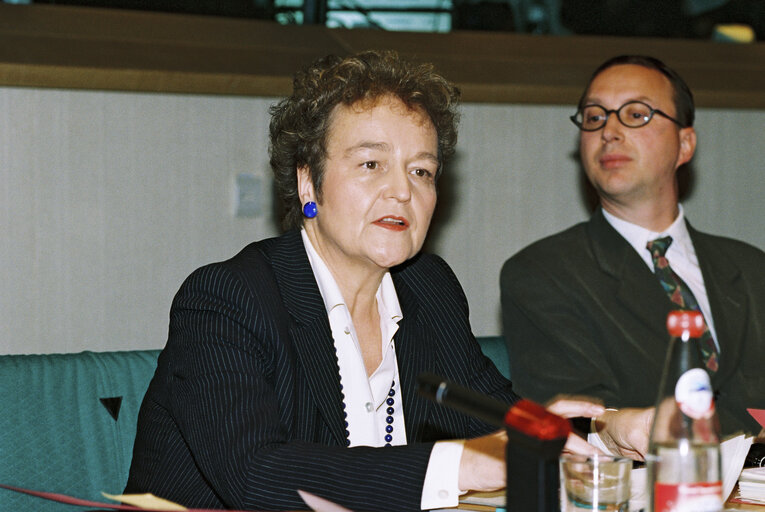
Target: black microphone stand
{"points": [[535, 439]]}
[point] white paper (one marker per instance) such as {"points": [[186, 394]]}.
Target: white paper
{"points": [[319, 504], [751, 485], [489, 499], [148, 501], [733, 453]]}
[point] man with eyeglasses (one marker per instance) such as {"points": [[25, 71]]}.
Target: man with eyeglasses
{"points": [[585, 310]]}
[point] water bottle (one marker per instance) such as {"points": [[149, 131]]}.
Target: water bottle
{"points": [[683, 458]]}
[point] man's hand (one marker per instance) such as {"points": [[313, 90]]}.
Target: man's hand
{"points": [[626, 431], [575, 408], [482, 466]]}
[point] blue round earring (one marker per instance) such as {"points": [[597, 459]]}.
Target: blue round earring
{"points": [[310, 210]]}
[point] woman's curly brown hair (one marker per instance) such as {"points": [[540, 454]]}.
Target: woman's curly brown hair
{"points": [[299, 123]]}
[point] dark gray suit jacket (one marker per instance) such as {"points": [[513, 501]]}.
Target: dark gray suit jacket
{"points": [[245, 406], [583, 314]]}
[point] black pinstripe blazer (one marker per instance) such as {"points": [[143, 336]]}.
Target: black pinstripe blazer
{"points": [[245, 405]]}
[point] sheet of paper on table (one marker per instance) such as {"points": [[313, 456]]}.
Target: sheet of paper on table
{"points": [[751, 486], [147, 501], [495, 499], [319, 504]]}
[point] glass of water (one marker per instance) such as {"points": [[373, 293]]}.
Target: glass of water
{"points": [[596, 482]]}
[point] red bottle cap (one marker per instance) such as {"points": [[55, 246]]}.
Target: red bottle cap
{"points": [[681, 321], [535, 421]]}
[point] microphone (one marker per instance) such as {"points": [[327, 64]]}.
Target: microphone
{"points": [[526, 417], [465, 400], [535, 439]]}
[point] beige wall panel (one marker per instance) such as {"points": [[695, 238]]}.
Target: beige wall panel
{"points": [[109, 200], [514, 181], [728, 188]]}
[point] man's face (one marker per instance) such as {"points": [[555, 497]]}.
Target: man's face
{"points": [[635, 167]]}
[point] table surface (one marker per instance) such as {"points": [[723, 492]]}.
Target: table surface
{"points": [[742, 506], [483, 508], [487, 508]]}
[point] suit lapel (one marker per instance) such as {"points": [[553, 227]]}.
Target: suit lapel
{"points": [[413, 358], [314, 346], [309, 330], [727, 299], [637, 289]]}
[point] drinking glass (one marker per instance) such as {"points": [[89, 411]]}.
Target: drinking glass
{"points": [[597, 482]]}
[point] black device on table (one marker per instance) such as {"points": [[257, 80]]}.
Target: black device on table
{"points": [[756, 456], [535, 439]]}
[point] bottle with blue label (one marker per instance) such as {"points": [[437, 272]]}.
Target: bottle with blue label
{"points": [[683, 460]]}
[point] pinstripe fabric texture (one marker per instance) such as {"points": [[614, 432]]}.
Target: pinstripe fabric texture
{"points": [[245, 406]]}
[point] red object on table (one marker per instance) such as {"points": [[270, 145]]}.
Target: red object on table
{"points": [[535, 421]]}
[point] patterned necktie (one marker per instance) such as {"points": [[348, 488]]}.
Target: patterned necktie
{"points": [[680, 295]]}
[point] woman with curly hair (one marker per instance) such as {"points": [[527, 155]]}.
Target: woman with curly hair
{"points": [[293, 365]]}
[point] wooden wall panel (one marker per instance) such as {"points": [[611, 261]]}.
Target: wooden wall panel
{"points": [[110, 49]]}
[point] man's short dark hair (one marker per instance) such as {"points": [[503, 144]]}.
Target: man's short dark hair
{"points": [[682, 95], [300, 123]]}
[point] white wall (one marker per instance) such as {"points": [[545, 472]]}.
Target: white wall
{"points": [[108, 200]]}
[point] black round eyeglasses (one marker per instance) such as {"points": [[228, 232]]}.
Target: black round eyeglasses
{"points": [[632, 114]]}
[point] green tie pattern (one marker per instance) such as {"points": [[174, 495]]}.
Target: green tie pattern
{"points": [[680, 295]]}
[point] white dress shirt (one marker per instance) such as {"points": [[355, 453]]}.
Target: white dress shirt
{"points": [[681, 256], [365, 397]]}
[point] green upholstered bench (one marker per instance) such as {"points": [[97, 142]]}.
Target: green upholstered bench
{"points": [[494, 348], [68, 422]]}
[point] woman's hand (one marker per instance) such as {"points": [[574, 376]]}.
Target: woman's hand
{"points": [[482, 466]]}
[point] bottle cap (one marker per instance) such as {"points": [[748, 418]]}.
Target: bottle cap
{"points": [[681, 321]]}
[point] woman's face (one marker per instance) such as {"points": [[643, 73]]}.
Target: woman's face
{"points": [[379, 191]]}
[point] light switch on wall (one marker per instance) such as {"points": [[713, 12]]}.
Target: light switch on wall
{"points": [[248, 196]]}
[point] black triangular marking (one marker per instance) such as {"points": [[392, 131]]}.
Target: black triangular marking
{"points": [[112, 405]]}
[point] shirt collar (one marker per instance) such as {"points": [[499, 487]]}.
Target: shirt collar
{"points": [[386, 293], [638, 236]]}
